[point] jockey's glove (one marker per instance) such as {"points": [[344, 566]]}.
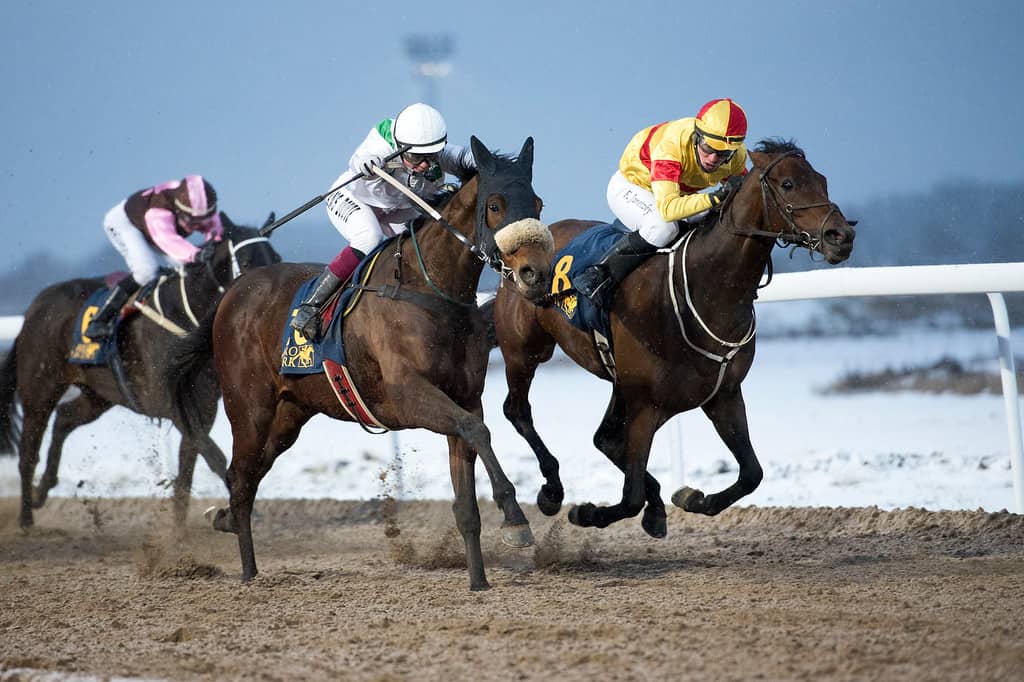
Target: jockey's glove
{"points": [[728, 186]]}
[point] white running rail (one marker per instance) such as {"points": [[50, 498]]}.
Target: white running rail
{"points": [[992, 279]]}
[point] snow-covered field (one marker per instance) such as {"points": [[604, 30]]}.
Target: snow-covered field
{"points": [[886, 449]]}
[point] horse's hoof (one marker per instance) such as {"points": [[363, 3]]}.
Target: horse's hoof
{"points": [[689, 499], [582, 515], [548, 503], [517, 536], [655, 524], [480, 587], [221, 519]]}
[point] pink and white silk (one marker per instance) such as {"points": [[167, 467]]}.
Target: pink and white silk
{"points": [[160, 223]]}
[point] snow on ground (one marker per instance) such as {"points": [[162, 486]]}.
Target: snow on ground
{"points": [[886, 449]]}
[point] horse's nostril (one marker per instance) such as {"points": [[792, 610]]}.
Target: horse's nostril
{"points": [[528, 275], [834, 237]]}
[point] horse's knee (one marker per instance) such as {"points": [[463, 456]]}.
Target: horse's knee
{"points": [[475, 432]]}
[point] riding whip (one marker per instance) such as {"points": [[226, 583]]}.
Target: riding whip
{"points": [[267, 229]]}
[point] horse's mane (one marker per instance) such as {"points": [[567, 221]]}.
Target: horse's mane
{"points": [[777, 145]]}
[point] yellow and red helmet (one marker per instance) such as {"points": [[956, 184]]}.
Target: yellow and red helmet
{"points": [[723, 124]]}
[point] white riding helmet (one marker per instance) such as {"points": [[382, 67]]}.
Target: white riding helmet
{"points": [[421, 128]]}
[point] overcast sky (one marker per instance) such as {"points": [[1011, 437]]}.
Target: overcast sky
{"points": [[268, 99]]}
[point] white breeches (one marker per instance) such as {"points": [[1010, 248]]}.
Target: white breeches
{"points": [[364, 226], [637, 209], [142, 259]]}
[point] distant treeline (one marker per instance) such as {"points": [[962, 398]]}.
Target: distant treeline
{"points": [[955, 222]]}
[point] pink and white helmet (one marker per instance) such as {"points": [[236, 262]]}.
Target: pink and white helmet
{"points": [[195, 197]]}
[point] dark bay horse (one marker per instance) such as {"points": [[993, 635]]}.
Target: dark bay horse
{"points": [[418, 359], [683, 335], [37, 372]]}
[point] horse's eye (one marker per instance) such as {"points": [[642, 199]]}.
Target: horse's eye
{"points": [[787, 185], [493, 207]]}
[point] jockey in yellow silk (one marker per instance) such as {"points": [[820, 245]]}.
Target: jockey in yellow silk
{"points": [[659, 181]]}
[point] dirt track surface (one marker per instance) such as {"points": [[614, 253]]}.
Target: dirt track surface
{"points": [[98, 589]]}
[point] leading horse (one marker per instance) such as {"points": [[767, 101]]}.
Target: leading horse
{"points": [[416, 350], [682, 328], [37, 372]]}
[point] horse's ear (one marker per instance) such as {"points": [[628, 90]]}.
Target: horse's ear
{"points": [[226, 221], [758, 159], [525, 157], [483, 156], [271, 217]]}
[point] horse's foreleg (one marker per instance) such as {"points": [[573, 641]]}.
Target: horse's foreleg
{"points": [[729, 415], [434, 410], [610, 439], [519, 373], [82, 410], [461, 461], [639, 430]]}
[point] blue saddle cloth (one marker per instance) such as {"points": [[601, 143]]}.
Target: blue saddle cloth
{"points": [[300, 355], [582, 251], [85, 351]]}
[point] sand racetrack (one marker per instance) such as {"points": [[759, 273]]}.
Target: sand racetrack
{"points": [[99, 589]]}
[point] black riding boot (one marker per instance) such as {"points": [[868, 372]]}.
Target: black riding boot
{"points": [[307, 316], [620, 260], [103, 322]]}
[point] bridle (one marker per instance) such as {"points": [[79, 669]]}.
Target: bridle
{"points": [[771, 198]]}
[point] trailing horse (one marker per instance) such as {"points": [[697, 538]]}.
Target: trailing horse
{"points": [[682, 334], [38, 370], [416, 348]]}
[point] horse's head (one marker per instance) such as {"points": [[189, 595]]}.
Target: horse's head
{"points": [[794, 201], [508, 227], [241, 249]]}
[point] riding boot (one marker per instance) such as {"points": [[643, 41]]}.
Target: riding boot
{"points": [[620, 260], [102, 324]]}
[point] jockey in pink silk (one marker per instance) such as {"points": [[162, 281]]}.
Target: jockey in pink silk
{"points": [[150, 229]]}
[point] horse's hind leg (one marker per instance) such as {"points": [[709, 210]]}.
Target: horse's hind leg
{"points": [[610, 439], [84, 409], [461, 461], [520, 367], [260, 434], [638, 428], [729, 415], [187, 454], [36, 409]]}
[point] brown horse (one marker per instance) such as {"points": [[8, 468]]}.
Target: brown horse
{"points": [[682, 332], [37, 372], [417, 350]]}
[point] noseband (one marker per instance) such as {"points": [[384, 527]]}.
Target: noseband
{"points": [[796, 236]]}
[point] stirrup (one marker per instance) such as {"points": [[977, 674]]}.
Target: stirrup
{"points": [[592, 281]]}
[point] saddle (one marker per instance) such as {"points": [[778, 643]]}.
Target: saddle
{"points": [[300, 355]]}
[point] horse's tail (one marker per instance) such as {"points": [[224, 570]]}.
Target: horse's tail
{"points": [[487, 312], [10, 424], [190, 357]]}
